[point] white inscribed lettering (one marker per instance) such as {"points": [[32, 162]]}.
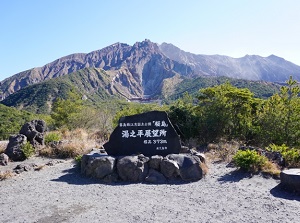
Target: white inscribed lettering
{"points": [[164, 124], [148, 133], [125, 134], [140, 133], [163, 132], [155, 132], [132, 134]]}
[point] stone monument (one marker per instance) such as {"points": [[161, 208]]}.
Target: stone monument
{"points": [[149, 133]]}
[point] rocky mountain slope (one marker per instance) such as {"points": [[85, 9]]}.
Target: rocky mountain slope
{"points": [[141, 68], [249, 67], [148, 69]]}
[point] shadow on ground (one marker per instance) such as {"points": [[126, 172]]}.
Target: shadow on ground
{"points": [[73, 176], [234, 176], [280, 192]]}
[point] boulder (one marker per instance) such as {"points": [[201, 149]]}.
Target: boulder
{"points": [[3, 159], [34, 131], [169, 168], [24, 167], [14, 147], [155, 177], [189, 166], [97, 165], [133, 168], [155, 161], [290, 179]]}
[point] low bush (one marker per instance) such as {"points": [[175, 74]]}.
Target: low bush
{"points": [[271, 169], [291, 155], [28, 150], [73, 144], [249, 160], [78, 159], [222, 151], [52, 136]]}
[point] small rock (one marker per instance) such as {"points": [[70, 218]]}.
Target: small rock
{"points": [[3, 159]]}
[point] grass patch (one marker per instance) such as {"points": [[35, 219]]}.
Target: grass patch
{"points": [[2, 147], [52, 136], [271, 168], [222, 151], [73, 144], [6, 174], [28, 150]]}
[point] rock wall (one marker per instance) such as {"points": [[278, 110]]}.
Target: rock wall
{"points": [[139, 168]]}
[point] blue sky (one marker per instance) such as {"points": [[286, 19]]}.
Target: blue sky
{"points": [[36, 32]]}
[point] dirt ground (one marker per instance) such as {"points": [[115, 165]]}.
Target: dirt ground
{"points": [[59, 193]]}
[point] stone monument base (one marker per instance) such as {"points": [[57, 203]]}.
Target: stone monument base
{"points": [[139, 168]]}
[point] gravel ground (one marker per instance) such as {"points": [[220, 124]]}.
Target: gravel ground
{"points": [[60, 194]]}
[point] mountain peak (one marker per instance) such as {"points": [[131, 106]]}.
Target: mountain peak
{"points": [[142, 68]]}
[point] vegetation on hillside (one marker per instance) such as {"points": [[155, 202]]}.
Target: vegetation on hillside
{"points": [[215, 113], [11, 120], [192, 86]]}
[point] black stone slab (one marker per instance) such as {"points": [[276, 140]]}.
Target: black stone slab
{"points": [[150, 133]]}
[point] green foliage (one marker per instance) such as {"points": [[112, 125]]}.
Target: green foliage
{"points": [[11, 121], [290, 155], [226, 111], [78, 159], [278, 117], [52, 136], [182, 113], [192, 86], [249, 160], [28, 149], [65, 111], [37, 98]]}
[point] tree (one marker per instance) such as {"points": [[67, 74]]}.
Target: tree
{"points": [[279, 116], [183, 115], [65, 111], [226, 111]]}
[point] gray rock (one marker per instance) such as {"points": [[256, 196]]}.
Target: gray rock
{"points": [[184, 149], [290, 179], [133, 168], [3, 159], [200, 155], [169, 168], [155, 177], [189, 166], [24, 167], [98, 166], [14, 147], [111, 178], [34, 131], [155, 161]]}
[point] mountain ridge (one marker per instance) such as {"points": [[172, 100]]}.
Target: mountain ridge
{"points": [[141, 69]]}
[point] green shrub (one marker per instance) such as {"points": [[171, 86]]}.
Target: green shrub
{"points": [[290, 155], [28, 150], [249, 160], [52, 136], [78, 159]]}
